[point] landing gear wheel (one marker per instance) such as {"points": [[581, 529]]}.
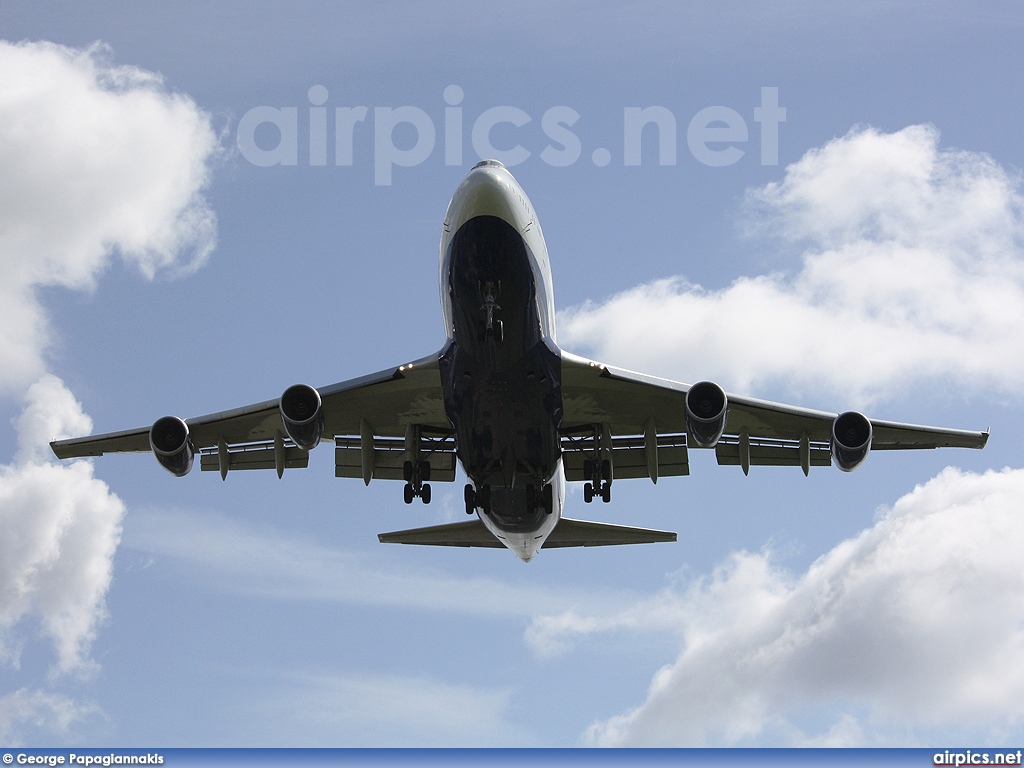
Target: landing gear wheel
{"points": [[470, 496], [588, 469], [408, 494], [425, 493], [483, 498], [407, 471], [606, 493], [549, 499], [499, 331], [588, 492], [531, 498], [424, 468]]}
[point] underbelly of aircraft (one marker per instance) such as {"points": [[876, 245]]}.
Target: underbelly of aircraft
{"points": [[501, 380]]}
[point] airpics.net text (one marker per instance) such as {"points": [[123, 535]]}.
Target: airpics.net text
{"points": [[715, 136]]}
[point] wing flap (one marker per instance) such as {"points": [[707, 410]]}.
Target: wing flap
{"points": [[773, 453], [255, 457], [628, 455], [390, 455]]}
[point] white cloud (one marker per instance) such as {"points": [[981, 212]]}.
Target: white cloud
{"points": [[59, 527], [38, 711], [913, 270], [95, 160], [915, 626]]}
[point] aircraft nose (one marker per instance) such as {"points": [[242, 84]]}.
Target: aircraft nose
{"points": [[489, 164], [487, 191]]}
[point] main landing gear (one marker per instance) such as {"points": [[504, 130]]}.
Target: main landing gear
{"points": [[481, 498], [545, 499], [478, 498], [599, 481], [416, 475]]}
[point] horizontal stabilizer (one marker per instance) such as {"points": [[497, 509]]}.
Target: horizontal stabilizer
{"points": [[568, 533], [583, 533], [468, 534]]}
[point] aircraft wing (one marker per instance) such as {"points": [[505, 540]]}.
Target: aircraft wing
{"points": [[638, 417], [378, 406]]}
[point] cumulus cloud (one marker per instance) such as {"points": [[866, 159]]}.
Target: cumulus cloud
{"points": [[914, 624], [59, 527], [95, 160], [912, 269]]}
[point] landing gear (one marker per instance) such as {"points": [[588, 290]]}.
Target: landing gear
{"points": [[599, 477], [416, 474], [493, 328], [545, 499], [477, 498]]}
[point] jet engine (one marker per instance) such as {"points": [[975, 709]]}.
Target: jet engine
{"points": [[302, 415], [851, 440], [168, 437], [706, 410]]}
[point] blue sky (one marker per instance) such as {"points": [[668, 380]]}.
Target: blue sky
{"points": [[149, 268]]}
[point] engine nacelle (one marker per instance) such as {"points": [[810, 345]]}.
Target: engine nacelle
{"points": [[303, 416], [168, 437], [851, 440], [706, 411]]}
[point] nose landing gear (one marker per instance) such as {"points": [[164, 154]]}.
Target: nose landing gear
{"points": [[493, 328]]}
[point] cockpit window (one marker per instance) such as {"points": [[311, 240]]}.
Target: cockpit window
{"points": [[492, 163]]}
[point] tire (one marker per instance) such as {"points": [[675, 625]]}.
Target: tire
{"points": [[470, 496], [549, 499], [424, 471], [425, 493], [408, 494], [407, 471], [606, 493], [588, 492]]}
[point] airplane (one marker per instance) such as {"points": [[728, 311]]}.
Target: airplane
{"points": [[519, 414]]}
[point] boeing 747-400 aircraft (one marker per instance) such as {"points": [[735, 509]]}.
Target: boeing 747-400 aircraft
{"points": [[519, 414]]}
